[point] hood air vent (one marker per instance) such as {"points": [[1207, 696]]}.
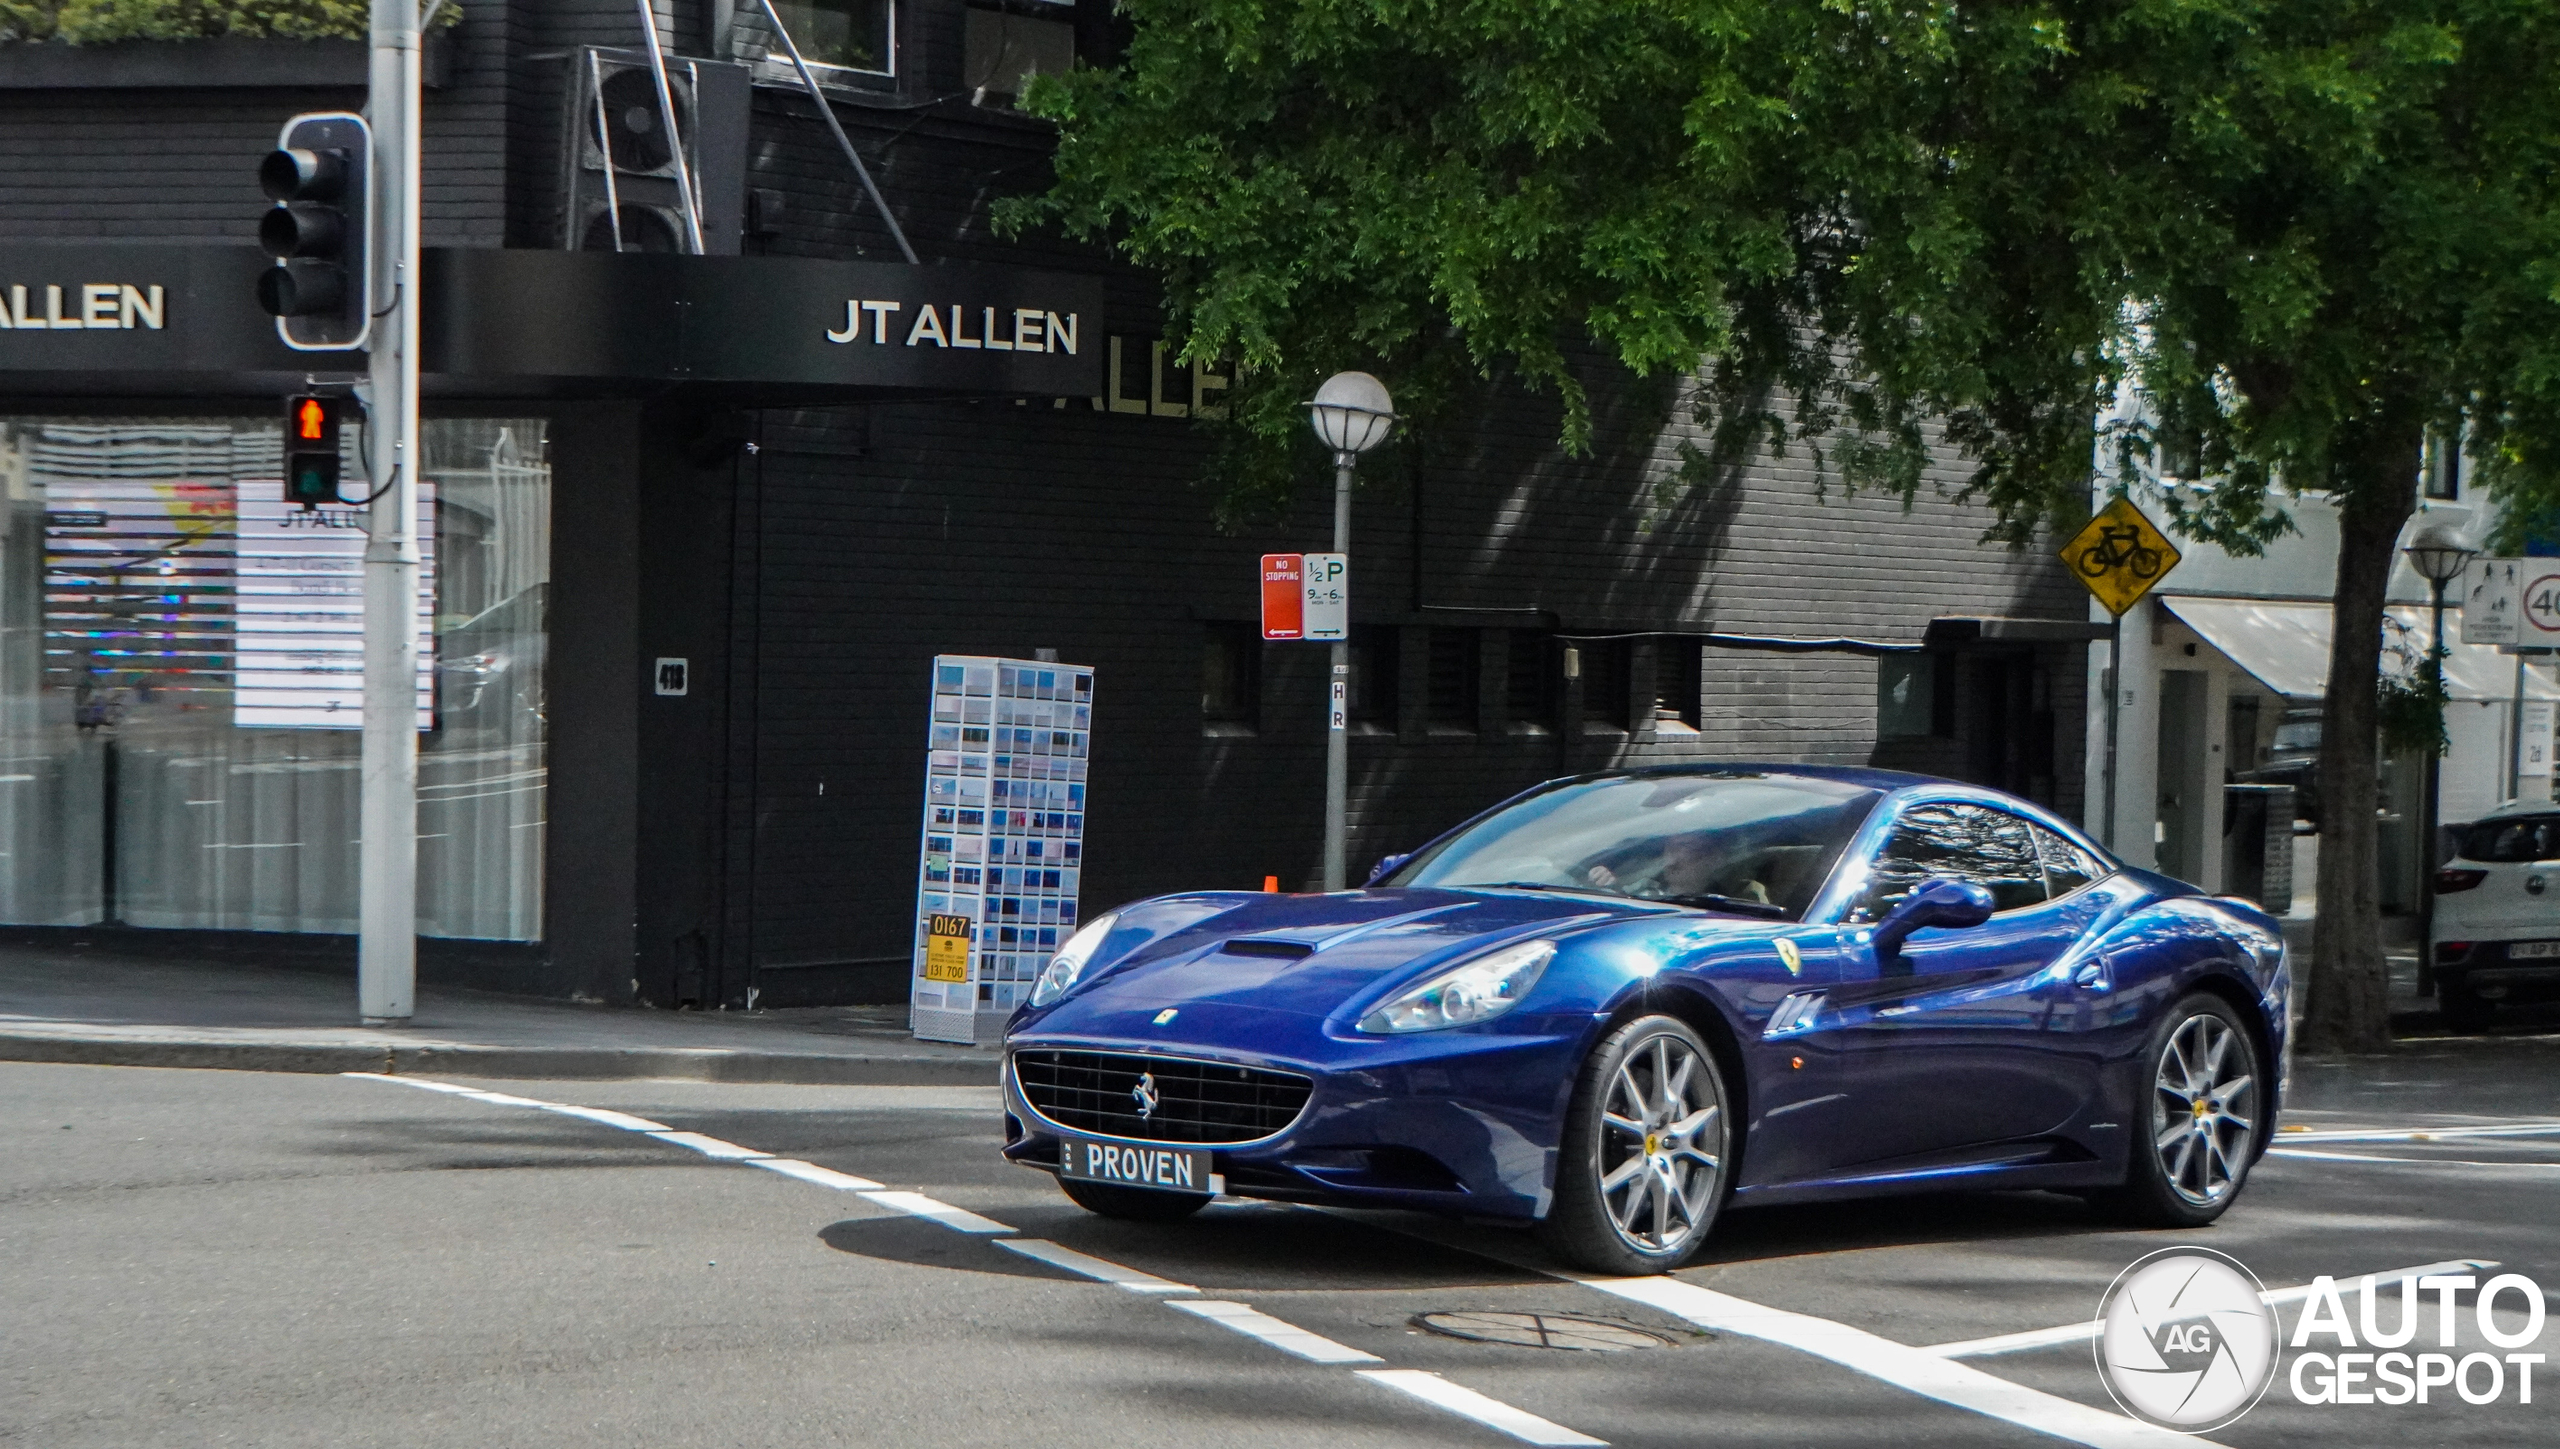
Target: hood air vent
{"points": [[1267, 946]]}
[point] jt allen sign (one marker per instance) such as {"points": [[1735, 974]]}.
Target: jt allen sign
{"points": [[1032, 329], [77, 306]]}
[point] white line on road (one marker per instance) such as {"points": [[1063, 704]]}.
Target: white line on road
{"points": [[708, 1146], [1246, 1319], [1493, 1413], [2408, 1161], [812, 1172], [1092, 1267], [2083, 1332], [2418, 1134], [941, 1212], [1901, 1365]]}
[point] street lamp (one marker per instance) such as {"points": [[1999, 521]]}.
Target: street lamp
{"points": [[2439, 556], [1352, 414]]}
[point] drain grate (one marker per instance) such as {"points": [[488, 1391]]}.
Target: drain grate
{"points": [[1545, 1330]]}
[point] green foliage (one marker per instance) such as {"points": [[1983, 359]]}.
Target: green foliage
{"points": [[2307, 229], [97, 22], [2410, 697]]}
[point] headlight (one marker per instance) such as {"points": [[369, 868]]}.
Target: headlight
{"points": [[1068, 964], [1473, 991]]}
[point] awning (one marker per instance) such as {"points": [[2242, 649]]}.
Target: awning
{"points": [[2286, 648]]}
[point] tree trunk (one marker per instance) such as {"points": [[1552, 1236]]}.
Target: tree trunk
{"points": [[2348, 985]]}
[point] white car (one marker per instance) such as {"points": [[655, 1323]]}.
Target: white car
{"points": [[2497, 927]]}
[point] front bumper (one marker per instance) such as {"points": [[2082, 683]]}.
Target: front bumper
{"points": [[1466, 1125]]}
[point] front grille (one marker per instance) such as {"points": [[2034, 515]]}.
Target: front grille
{"points": [[1202, 1102]]}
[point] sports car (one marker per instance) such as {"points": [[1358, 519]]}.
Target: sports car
{"points": [[1618, 1003]]}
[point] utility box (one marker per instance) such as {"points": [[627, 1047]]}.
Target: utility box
{"points": [[1004, 797]]}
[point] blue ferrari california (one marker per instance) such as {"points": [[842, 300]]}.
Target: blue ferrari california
{"points": [[1616, 1003]]}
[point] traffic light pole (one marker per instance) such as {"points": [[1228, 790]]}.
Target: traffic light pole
{"points": [[387, 870]]}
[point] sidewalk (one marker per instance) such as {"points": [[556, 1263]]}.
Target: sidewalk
{"points": [[97, 1006]]}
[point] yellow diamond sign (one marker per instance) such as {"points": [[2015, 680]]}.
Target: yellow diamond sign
{"points": [[2119, 556]]}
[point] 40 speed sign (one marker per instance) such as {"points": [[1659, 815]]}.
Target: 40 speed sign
{"points": [[2538, 620]]}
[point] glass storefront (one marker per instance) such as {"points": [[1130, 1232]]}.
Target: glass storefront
{"points": [[180, 672]]}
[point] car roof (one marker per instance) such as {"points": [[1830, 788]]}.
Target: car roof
{"points": [[2515, 808], [1898, 786]]}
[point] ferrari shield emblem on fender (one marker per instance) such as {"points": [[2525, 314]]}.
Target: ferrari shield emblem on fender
{"points": [[1788, 953]]}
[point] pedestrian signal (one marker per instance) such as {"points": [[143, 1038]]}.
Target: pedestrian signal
{"points": [[311, 449]]}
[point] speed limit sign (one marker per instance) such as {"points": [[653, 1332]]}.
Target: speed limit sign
{"points": [[2538, 621]]}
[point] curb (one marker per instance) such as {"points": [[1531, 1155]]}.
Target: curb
{"points": [[551, 1063]]}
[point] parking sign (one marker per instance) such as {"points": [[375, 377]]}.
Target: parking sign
{"points": [[1327, 589], [1284, 604]]}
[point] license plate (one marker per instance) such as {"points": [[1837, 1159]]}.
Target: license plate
{"points": [[1170, 1169], [2531, 950]]}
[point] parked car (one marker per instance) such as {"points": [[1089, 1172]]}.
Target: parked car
{"points": [[2497, 918], [1619, 1001], [490, 675], [2293, 758]]}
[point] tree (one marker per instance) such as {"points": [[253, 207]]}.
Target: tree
{"points": [[2309, 232]]}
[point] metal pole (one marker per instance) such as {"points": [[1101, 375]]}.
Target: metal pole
{"points": [[2115, 708], [827, 113], [387, 862], [2427, 827], [1337, 737], [675, 134], [2515, 735]]}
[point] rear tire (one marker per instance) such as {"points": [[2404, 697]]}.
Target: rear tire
{"points": [[1641, 1171], [1132, 1204], [2463, 1011], [2197, 1123]]}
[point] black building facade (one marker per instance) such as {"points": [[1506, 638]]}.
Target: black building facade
{"points": [[706, 459]]}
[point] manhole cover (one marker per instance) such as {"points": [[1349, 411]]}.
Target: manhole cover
{"points": [[1545, 1330]]}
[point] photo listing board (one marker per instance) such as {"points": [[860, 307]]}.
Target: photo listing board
{"points": [[1003, 848]]}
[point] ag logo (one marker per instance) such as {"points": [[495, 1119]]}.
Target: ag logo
{"points": [[2186, 1340]]}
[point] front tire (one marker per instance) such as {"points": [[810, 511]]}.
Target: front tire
{"points": [[1132, 1204], [2198, 1118], [1641, 1170]]}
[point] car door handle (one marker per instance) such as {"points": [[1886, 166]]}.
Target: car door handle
{"points": [[2093, 976]]}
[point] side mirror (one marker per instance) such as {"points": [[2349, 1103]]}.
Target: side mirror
{"points": [[1939, 901], [1385, 868]]}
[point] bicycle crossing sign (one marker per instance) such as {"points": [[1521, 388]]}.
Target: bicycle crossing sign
{"points": [[2119, 556]]}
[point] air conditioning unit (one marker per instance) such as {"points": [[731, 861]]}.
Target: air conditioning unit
{"points": [[623, 189]]}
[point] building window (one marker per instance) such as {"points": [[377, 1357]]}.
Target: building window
{"points": [[1230, 678], [1457, 657], [2443, 467], [1527, 704], [181, 679], [1915, 697], [1373, 679], [1604, 684], [1006, 45], [1678, 689], [846, 34]]}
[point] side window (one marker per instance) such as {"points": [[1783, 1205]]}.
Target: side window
{"points": [[2066, 866], [1963, 842]]}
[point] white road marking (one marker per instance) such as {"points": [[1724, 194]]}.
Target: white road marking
{"points": [[941, 1212], [1287, 1337], [1243, 1318], [2408, 1161], [708, 1146], [1092, 1267], [2082, 1332], [812, 1172], [1901, 1365], [2418, 1134], [1493, 1413]]}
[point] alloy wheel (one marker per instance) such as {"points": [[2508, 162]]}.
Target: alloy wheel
{"points": [[2203, 1110], [1661, 1146]]}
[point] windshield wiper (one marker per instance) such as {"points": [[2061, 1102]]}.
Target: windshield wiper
{"points": [[1741, 905], [1539, 885]]}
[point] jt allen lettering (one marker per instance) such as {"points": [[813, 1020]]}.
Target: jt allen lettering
{"points": [[996, 329], [89, 304]]}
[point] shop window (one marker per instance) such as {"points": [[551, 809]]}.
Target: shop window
{"points": [[1604, 684], [1528, 682], [847, 34], [1230, 678], [1679, 691], [1456, 662], [1373, 679], [1010, 42], [181, 679]]}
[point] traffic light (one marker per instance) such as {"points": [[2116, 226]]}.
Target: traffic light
{"points": [[320, 177], [311, 449]]}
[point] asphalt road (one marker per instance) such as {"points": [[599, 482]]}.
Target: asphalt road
{"points": [[235, 1258]]}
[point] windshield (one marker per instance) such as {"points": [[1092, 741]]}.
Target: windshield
{"points": [[1758, 844]]}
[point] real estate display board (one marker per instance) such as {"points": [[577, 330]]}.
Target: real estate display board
{"points": [[1003, 838]]}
